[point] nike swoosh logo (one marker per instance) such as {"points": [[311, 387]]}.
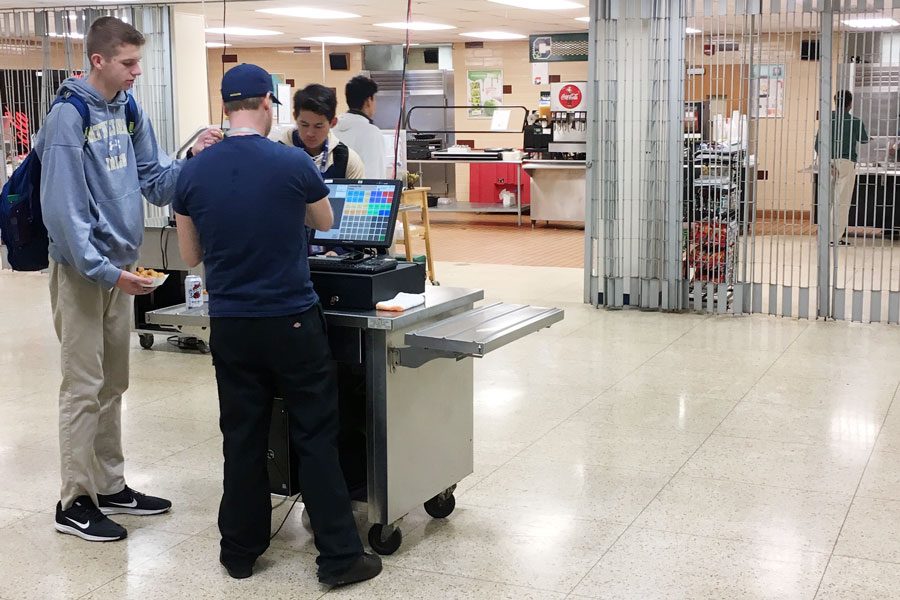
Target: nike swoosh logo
{"points": [[84, 525], [131, 504]]}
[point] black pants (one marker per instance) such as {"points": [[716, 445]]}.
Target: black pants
{"points": [[255, 359]]}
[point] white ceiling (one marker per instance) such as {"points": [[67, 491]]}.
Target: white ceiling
{"points": [[466, 15]]}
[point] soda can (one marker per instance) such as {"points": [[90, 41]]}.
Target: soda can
{"points": [[193, 291]]}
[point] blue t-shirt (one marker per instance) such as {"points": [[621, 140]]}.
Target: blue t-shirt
{"points": [[247, 196]]}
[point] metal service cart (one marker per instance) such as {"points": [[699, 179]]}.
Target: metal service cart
{"points": [[409, 378]]}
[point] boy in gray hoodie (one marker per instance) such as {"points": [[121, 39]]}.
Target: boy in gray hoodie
{"points": [[91, 197]]}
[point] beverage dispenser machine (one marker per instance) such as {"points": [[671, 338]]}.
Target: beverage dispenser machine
{"points": [[568, 113]]}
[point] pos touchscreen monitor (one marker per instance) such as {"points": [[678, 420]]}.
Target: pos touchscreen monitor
{"points": [[365, 211]]}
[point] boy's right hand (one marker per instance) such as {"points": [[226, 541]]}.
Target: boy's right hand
{"points": [[133, 284]]}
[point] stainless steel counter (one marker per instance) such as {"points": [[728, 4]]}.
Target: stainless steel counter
{"points": [[533, 164], [438, 301], [557, 190]]}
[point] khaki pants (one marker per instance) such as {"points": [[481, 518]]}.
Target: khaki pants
{"points": [[94, 329], [843, 182]]}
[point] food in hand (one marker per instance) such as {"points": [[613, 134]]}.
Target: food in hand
{"points": [[142, 272]]}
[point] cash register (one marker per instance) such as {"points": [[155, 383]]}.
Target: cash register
{"points": [[365, 213]]}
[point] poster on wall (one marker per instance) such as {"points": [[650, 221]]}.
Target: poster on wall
{"points": [[484, 92], [767, 91]]}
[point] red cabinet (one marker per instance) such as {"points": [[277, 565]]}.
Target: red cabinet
{"points": [[487, 180]]}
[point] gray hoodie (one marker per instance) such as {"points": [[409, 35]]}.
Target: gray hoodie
{"points": [[91, 187]]}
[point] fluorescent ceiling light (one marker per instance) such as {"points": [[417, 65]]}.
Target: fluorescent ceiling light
{"points": [[583, 19], [692, 31], [416, 26], [540, 4], [870, 23], [308, 12], [74, 36], [217, 45], [241, 31], [494, 35], [336, 39]]}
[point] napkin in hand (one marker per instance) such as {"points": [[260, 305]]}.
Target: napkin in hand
{"points": [[401, 302]]}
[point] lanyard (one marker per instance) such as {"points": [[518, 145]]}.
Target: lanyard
{"points": [[242, 131], [323, 162], [323, 158]]}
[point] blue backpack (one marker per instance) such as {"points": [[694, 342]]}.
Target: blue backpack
{"points": [[21, 223]]}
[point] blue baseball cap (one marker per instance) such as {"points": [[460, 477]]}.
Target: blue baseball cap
{"points": [[247, 81]]}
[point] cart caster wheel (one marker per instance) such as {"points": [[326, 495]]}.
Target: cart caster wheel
{"points": [[146, 340], [388, 546], [440, 506]]}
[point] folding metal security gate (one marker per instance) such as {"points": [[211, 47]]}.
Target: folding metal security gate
{"points": [[703, 171], [40, 48]]}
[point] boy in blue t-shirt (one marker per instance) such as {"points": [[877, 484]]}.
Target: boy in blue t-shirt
{"points": [[241, 208]]}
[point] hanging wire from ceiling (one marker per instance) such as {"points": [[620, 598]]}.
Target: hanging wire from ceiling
{"points": [[402, 90], [224, 49]]}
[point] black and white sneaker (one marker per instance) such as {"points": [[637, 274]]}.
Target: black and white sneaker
{"points": [[130, 502], [87, 522]]}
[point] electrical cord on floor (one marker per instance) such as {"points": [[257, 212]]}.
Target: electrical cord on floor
{"points": [[283, 521], [188, 343]]}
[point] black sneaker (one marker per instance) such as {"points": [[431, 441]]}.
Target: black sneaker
{"points": [[365, 567], [87, 522], [130, 502]]}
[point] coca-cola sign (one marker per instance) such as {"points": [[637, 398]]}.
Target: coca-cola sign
{"points": [[570, 96]]}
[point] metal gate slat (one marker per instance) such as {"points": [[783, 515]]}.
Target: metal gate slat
{"points": [[653, 294], [856, 310], [710, 297], [698, 297], [894, 308], [875, 312], [757, 299], [803, 308], [787, 296], [634, 297], [773, 299], [839, 302], [722, 298], [740, 297]]}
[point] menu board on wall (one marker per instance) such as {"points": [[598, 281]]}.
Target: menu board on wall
{"points": [[484, 92], [767, 91]]}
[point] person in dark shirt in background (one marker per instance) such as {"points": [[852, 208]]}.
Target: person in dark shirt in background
{"points": [[847, 132], [241, 210]]}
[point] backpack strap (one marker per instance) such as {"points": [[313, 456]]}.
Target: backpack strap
{"points": [[80, 105], [68, 97], [341, 156], [131, 113]]}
